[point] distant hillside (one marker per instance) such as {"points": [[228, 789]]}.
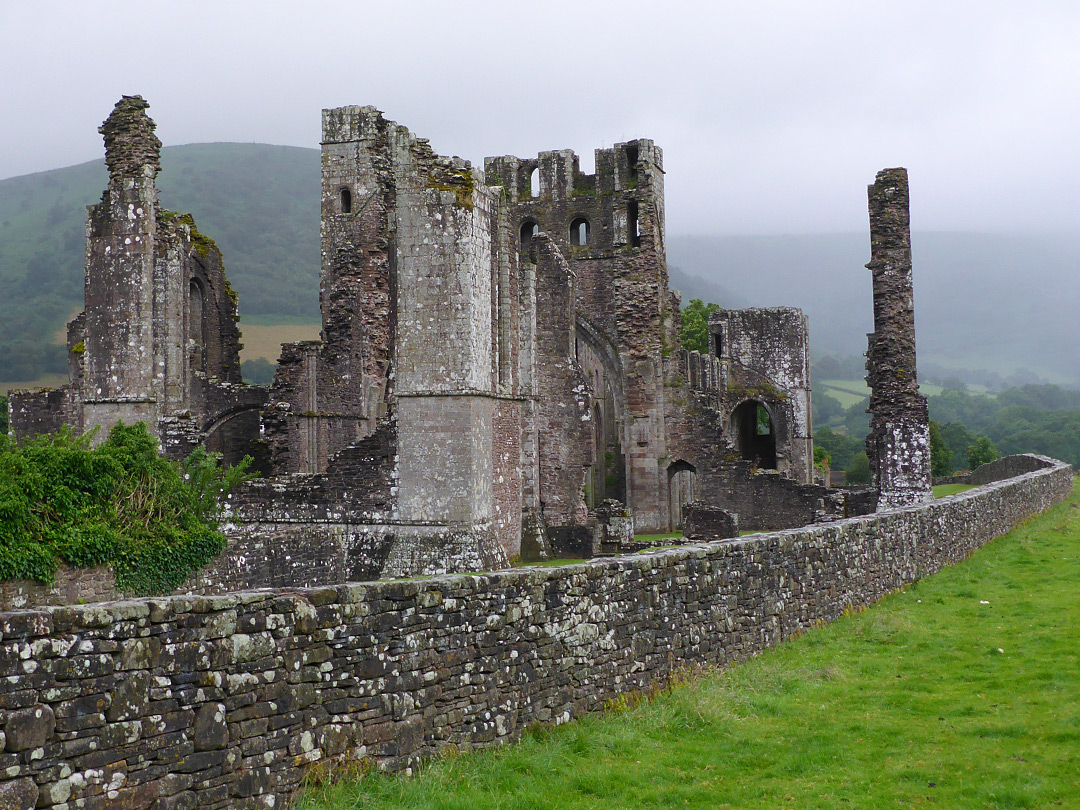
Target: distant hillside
{"points": [[981, 301], [260, 203]]}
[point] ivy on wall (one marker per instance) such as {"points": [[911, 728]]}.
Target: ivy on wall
{"points": [[120, 504]]}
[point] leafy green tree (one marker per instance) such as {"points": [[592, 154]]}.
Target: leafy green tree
{"points": [[120, 503], [982, 452], [858, 471], [941, 457], [3, 416], [856, 419], [259, 371], [958, 439], [694, 331], [841, 448]]}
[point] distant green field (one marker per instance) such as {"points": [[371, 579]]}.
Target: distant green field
{"points": [[962, 691], [847, 392], [850, 392]]}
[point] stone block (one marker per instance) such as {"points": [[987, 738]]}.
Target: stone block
{"points": [[30, 728]]}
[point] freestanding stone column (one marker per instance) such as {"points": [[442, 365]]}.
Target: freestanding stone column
{"points": [[899, 441]]}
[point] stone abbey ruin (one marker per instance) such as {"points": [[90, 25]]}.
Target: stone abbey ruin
{"points": [[499, 373]]}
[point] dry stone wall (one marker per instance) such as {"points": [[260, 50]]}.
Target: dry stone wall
{"points": [[224, 701]]}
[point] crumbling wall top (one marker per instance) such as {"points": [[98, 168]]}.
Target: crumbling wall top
{"points": [[131, 147]]}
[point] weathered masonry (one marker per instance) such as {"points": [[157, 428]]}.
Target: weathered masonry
{"points": [[499, 371], [899, 442], [158, 341], [223, 701]]}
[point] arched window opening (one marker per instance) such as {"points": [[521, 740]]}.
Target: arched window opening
{"points": [[534, 183], [346, 201], [579, 232], [633, 227], [529, 229], [197, 326], [682, 489], [751, 425]]}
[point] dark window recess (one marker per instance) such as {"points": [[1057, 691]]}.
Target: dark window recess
{"points": [[752, 427], [579, 232], [631, 163], [346, 201], [633, 226], [529, 229], [197, 326]]}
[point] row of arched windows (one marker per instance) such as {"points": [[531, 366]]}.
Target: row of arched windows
{"points": [[580, 232], [580, 228]]}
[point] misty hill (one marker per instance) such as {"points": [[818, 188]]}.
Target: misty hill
{"points": [[260, 203], [981, 301]]}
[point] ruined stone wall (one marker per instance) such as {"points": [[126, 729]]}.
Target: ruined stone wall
{"points": [[766, 355], [224, 701], [70, 586], [38, 410], [506, 488]]}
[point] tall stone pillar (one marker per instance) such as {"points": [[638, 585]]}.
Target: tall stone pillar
{"points": [[120, 383], [899, 441]]}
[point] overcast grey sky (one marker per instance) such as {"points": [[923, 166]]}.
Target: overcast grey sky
{"points": [[773, 116]]}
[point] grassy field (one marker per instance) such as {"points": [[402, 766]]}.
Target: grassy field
{"points": [[849, 392], [264, 340], [47, 381], [962, 691]]}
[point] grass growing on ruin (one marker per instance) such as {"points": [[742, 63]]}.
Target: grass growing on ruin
{"points": [[945, 490], [658, 539], [962, 691]]}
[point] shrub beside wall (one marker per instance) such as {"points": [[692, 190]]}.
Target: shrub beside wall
{"points": [[223, 701]]}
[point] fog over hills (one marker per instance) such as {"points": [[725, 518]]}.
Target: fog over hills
{"points": [[996, 302], [982, 301]]}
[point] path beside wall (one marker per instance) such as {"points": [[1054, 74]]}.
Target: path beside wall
{"points": [[222, 701]]}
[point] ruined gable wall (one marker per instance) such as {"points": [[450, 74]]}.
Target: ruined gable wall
{"points": [[767, 358], [119, 365]]}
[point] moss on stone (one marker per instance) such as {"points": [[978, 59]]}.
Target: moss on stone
{"points": [[461, 182]]}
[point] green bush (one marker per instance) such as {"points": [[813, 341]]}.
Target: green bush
{"points": [[121, 504]]}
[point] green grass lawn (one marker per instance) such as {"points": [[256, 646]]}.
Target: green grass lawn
{"points": [[962, 691], [658, 539], [945, 490]]}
